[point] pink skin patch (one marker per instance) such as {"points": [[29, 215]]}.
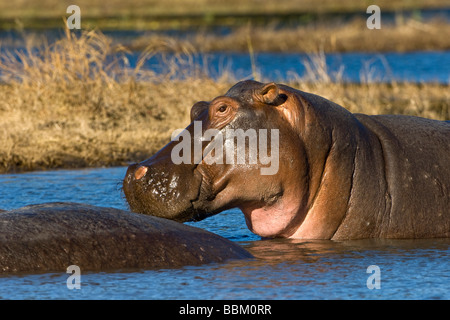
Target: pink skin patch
{"points": [[274, 220], [140, 172]]}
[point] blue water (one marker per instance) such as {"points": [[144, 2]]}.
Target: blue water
{"points": [[417, 66], [282, 269], [357, 66]]}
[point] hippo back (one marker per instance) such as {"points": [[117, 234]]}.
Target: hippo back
{"points": [[51, 237]]}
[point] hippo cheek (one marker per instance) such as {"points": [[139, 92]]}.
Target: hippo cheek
{"points": [[162, 191]]}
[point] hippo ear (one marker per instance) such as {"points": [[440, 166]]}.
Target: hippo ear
{"points": [[270, 94]]}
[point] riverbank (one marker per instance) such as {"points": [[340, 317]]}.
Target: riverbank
{"points": [[179, 14], [402, 35], [337, 36], [70, 105]]}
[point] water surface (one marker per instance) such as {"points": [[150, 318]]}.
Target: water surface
{"points": [[416, 66], [281, 269], [354, 67]]}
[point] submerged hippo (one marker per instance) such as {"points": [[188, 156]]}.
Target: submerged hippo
{"points": [[54, 236], [336, 175]]}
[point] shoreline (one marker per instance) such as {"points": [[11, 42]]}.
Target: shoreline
{"points": [[403, 35], [205, 20], [176, 14]]}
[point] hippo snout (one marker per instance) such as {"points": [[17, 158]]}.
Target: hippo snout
{"points": [[162, 191]]}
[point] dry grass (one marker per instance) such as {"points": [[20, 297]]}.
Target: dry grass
{"points": [[23, 9], [403, 35], [70, 104]]}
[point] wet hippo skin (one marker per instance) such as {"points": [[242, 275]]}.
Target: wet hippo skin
{"points": [[53, 236], [340, 175]]}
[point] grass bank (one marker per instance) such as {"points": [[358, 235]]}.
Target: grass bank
{"points": [[69, 104], [401, 36], [157, 14]]}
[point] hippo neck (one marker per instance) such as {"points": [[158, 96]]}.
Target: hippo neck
{"points": [[331, 135]]}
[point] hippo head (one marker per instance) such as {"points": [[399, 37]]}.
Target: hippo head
{"points": [[240, 150]]}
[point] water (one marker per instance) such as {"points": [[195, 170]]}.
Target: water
{"points": [[418, 66], [282, 269]]}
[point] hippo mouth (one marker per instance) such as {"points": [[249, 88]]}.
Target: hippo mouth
{"points": [[167, 194], [195, 212], [163, 193], [199, 206]]}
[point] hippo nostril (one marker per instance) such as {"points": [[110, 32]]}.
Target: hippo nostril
{"points": [[140, 172]]}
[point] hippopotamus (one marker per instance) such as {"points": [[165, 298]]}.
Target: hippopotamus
{"points": [[339, 175], [51, 237]]}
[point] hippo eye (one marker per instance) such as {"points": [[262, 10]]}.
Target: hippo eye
{"points": [[222, 108]]}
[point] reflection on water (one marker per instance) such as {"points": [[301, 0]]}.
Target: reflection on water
{"points": [[281, 269], [410, 269]]}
